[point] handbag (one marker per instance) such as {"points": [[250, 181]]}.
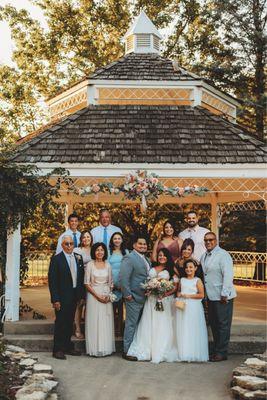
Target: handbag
{"points": [[180, 304]]}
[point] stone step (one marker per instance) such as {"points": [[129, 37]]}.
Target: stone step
{"points": [[40, 343], [46, 327], [32, 343], [29, 327]]}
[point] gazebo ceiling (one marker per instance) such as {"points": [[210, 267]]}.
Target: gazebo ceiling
{"points": [[142, 134]]}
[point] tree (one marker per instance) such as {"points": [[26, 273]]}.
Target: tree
{"points": [[19, 111], [22, 190], [224, 42]]}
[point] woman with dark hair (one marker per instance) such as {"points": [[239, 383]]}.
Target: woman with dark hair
{"points": [[169, 240], [84, 250], [187, 250], [154, 337], [117, 250], [99, 324]]}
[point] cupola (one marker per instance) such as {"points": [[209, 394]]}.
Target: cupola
{"points": [[142, 36]]}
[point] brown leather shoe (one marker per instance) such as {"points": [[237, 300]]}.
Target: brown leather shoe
{"points": [[59, 355], [217, 358], [73, 353], [129, 358]]}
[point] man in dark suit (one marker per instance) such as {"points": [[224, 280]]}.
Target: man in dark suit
{"points": [[65, 279]]}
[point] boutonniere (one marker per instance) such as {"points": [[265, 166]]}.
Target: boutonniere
{"points": [[78, 256]]}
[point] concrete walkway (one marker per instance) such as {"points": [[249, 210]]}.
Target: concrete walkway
{"points": [[112, 378], [249, 307]]}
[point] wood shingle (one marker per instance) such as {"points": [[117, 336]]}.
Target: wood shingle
{"points": [[142, 134]]}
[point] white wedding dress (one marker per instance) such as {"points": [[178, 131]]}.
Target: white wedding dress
{"points": [[154, 337], [191, 329]]}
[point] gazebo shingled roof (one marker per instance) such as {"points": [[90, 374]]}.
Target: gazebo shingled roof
{"points": [[138, 66], [143, 134]]}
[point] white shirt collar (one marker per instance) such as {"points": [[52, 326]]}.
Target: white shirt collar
{"points": [[194, 229], [68, 255]]}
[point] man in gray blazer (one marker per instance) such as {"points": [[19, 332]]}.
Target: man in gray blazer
{"points": [[217, 266], [134, 271]]}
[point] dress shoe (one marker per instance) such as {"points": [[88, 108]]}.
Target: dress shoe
{"points": [[217, 358], [129, 358], [73, 353], [59, 355]]}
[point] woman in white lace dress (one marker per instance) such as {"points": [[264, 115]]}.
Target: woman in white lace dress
{"points": [[191, 329], [99, 324], [154, 337], [84, 250]]}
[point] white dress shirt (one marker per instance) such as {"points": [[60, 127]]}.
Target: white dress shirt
{"points": [[68, 232], [98, 233], [197, 235], [69, 258]]}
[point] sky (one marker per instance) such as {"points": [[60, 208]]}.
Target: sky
{"points": [[5, 37]]}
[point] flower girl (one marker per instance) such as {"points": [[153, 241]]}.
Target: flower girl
{"points": [[191, 330]]}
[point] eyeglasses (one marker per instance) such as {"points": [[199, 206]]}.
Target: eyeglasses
{"points": [[209, 240], [68, 243]]}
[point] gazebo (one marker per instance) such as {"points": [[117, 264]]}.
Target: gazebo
{"points": [[143, 112]]}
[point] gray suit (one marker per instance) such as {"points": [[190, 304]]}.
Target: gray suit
{"points": [[133, 272], [218, 273]]}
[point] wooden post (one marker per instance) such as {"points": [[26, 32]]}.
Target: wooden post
{"points": [[12, 275], [215, 218], [68, 211]]}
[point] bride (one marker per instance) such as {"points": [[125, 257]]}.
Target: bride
{"points": [[154, 337]]}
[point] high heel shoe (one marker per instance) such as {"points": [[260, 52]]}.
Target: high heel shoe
{"points": [[79, 335]]}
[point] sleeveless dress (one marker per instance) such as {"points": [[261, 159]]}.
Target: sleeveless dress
{"points": [[154, 338], [191, 329], [115, 262], [173, 249], [99, 324], [86, 257]]}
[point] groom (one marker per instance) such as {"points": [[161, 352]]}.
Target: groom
{"points": [[134, 271]]}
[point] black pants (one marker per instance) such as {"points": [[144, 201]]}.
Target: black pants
{"points": [[64, 327], [220, 319]]}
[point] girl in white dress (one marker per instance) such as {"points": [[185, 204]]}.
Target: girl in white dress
{"points": [[154, 337], [191, 329], [99, 324]]}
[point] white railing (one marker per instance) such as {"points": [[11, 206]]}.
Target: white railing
{"points": [[250, 266], [38, 262]]}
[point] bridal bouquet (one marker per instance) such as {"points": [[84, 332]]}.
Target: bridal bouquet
{"points": [[157, 287], [112, 297]]}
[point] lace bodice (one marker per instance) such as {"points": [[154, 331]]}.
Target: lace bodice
{"points": [[189, 286], [86, 257], [162, 274], [95, 276]]}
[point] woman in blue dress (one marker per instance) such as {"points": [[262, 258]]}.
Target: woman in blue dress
{"points": [[117, 251]]}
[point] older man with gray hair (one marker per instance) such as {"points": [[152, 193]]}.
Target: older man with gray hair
{"points": [[65, 279], [217, 266]]}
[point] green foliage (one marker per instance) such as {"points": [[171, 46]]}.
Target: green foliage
{"points": [[22, 190], [222, 41], [132, 220], [244, 231]]}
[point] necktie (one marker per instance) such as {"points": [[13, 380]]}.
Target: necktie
{"points": [[75, 239], [73, 270], [105, 237]]}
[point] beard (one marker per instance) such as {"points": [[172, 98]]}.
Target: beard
{"points": [[192, 224]]}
